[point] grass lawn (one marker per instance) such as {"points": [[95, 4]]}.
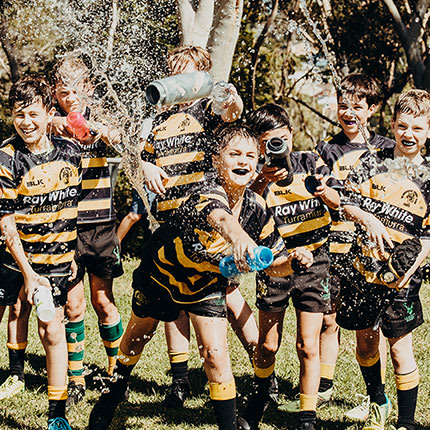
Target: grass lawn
{"points": [[144, 410]]}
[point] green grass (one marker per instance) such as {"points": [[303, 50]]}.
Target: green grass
{"points": [[151, 377]]}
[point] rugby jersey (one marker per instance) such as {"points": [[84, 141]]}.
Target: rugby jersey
{"points": [[181, 144], [399, 200], [42, 190], [96, 204], [342, 156], [301, 218], [186, 258]]}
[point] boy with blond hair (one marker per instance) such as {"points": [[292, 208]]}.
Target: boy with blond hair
{"points": [[388, 195]]}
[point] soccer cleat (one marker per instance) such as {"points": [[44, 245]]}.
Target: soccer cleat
{"points": [[58, 424], [103, 411], [11, 387], [75, 393], [243, 424], [257, 404], [273, 389], [378, 415], [177, 393], [306, 426], [294, 406], [361, 411], [396, 428]]}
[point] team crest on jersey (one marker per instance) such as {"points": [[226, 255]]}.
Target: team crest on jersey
{"points": [[65, 174], [410, 197]]}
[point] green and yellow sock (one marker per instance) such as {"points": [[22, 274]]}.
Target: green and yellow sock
{"points": [[75, 337], [111, 335]]}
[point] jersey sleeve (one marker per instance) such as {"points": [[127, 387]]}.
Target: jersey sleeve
{"points": [[8, 187]]}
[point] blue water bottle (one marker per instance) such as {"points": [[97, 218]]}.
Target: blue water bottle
{"points": [[263, 258]]}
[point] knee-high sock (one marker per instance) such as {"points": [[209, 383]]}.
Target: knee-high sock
{"points": [[57, 397], [327, 375], [223, 398], [75, 337], [16, 359], [407, 392], [371, 370], [111, 335], [179, 364]]}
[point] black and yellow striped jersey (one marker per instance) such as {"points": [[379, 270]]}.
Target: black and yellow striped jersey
{"points": [[96, 204], [180, 143], [301, 218], [341, 155], [42, 190], [400, 200], [186, 251]]}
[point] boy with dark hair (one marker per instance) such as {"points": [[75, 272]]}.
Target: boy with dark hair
{"points": [[40, 180], [357, 102], [180, 271], [175, 157], [303, 220], [388, 194]]}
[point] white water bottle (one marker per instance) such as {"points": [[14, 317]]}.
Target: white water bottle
{"points": [[44, 303]]}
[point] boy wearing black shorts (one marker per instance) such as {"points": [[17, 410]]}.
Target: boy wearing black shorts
{"points": [[303, 220], [388, 194], [98, 247], [356, 104], [40, 181], [180, 272]]}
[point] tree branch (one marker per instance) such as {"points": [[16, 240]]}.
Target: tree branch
{"points": [[256, 50], [112, 30], [8, 47], [186, 20], [315, 111]]}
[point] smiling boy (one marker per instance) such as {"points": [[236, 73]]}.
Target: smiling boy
{"points": [[395, 184], [40, 179]]}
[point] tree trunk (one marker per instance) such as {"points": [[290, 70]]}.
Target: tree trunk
{"points": [[410, 39], [8, 48], [195, 25], [224, 35]]}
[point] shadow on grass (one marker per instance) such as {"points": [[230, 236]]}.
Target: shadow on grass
{"points": [[8, 420]]}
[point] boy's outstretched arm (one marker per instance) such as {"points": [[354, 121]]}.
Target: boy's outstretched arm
{"points": [[282, 266], [327, 194], [230, 229], [13, 242], [374, 228]]}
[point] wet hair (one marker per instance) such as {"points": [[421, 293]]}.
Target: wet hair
{"points": [[228, 132], [268, 117], [361, 85], [180, 56], [413, 102], [69, 71], [28, 90]]}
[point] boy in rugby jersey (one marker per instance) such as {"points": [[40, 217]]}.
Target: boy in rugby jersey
{"points": [[175, 157], [356, 104], [98, 247], [179, 271], [388, 195], [303, 220], [40, 180]]}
